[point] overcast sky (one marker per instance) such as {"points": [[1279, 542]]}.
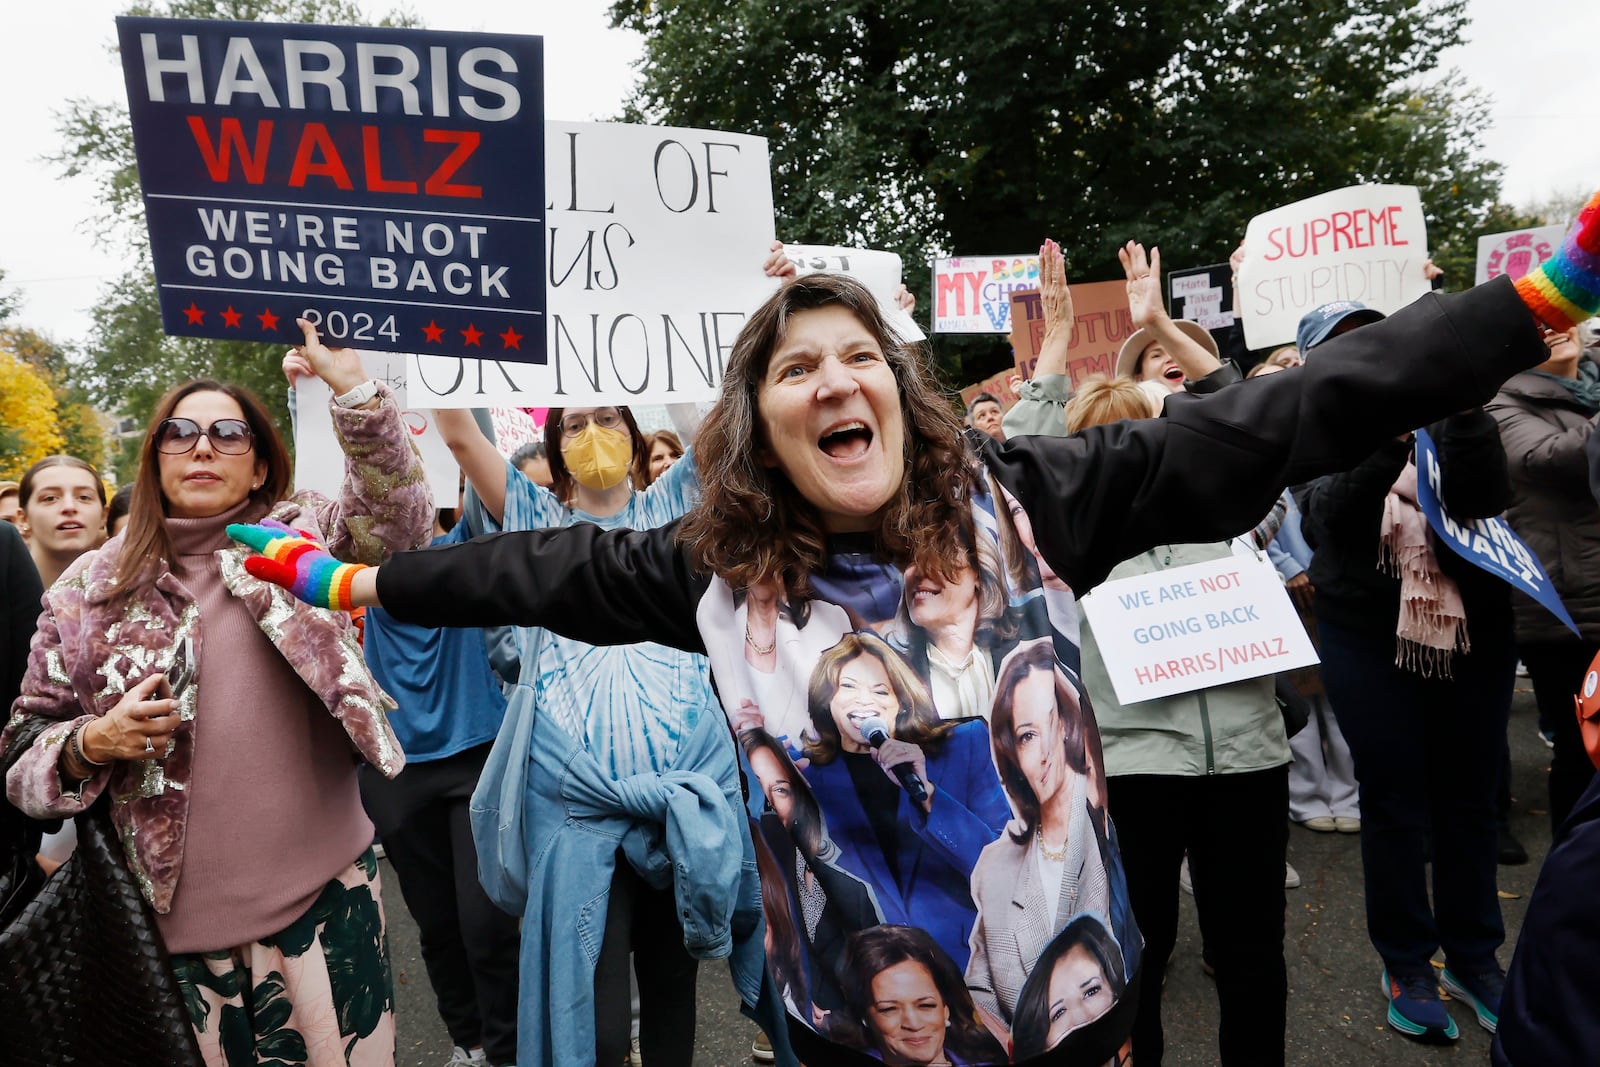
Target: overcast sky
{"points": [[51, 51]]}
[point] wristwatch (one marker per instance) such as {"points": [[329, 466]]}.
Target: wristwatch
{"points": [[357, 396]]}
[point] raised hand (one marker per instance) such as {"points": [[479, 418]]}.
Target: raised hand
{"points": [[298, 562], [778, 264], [1058, 317], [1144, 284], [340, 367]]}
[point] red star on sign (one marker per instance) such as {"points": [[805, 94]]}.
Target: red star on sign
{"points": [[194, 314], [471, 334], [269, 321], [231, 317], [433, 332], [511, 338]]}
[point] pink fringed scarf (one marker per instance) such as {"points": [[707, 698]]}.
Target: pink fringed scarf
{"points": [[1433, 619]]}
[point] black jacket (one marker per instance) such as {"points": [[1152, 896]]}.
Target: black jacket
{"points": [[1341, 514]]}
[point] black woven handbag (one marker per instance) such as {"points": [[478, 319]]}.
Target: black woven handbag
{"points": [[84, 977]]}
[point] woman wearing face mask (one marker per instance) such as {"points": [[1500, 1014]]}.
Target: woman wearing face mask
{"points": [[633, 709], [62, 513]]}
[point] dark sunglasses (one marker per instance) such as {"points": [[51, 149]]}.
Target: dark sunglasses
{"points": [[230, 437]]}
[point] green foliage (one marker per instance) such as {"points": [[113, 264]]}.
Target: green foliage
{"points": [[130, 362], [930, 126]]}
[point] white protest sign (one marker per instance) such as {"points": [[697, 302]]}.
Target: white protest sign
{"points": [[318, 459], [972, 294], [1366, 243], [878, 271], [1194, 627], [654, 238], [1516, 252]]}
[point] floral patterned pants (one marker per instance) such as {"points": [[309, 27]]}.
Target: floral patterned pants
{"points": [[319, 993]]}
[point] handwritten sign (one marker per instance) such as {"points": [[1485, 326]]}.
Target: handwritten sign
{"points": [[656, 240], [1194, 627], [972, 294], [1100, 323], [1366, 243], [1488, 544], [996, 385], [1203, 295], [318, 459], [1516, 252], [384, 183], [878, 271]]}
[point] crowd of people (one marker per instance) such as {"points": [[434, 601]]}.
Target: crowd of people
{"points": [[817, 694]]}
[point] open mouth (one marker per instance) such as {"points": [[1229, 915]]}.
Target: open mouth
{"points": [[1172, 374], [848, 441], [69, 527], [925, 592]]}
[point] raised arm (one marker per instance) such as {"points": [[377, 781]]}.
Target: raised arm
{"points": [[1149, 313], [477, 457], [1214, 465], [384, 504], [1042, 400]]}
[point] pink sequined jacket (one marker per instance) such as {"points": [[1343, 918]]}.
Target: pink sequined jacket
{"points": [[89, 650]]}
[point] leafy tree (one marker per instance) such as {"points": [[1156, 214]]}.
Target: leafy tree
{"points": [[81, 428], [934, 127], [130, 362], [28, 412], [9, 300]]}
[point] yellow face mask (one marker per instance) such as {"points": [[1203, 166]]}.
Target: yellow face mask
{"points": [[598, 458]]}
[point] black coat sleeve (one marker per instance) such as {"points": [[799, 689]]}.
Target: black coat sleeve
{"points": [[22, 594], [1348, 506], [1474, 481], [1212, 466], [602, 587]]}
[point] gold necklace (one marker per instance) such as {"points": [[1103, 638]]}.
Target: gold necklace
{"points": [[1054, 855], [760, 650]]}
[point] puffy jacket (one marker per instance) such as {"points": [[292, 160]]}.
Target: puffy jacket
{"points": [[1544, 433]]}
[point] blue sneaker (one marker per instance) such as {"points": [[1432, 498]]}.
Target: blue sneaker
{"points": [[1416, 1010], [1481, 990]]}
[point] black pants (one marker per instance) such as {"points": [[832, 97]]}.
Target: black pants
{"points": [[1556, 669], [643, 921], [1235, 828], [469, 946], [1429, 754]]}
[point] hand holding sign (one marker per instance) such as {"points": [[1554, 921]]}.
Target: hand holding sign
{"points": [[340, 367]]}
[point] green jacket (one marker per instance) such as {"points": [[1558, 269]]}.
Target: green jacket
{"points": [[1227, 729], [1041, 408]]}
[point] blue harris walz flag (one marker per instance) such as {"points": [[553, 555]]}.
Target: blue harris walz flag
{"points": [[386, 184], [1488, 544]]}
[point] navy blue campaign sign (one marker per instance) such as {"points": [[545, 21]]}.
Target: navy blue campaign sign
{"points": [[1485, 543], [385, 184]]}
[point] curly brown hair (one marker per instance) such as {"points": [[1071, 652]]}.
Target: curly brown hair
{"points": [[752, 525]]}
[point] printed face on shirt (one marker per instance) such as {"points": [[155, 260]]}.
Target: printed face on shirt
{"points": [[1036, 725], [204, 482], [908, 1014], [1024, 525], [1079, 993], [773, 774], [863, 691], [830, 414], [937, 605]]}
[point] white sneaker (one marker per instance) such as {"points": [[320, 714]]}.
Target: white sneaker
{"points": [[635, 1057], [1183, 877], [1291, 877], [459, 1055]]}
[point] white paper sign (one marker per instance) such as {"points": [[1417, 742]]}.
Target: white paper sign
{"points": [[1516, 252], [1366, 243], [655, 238], [318, 459], [878, 271], [1194, 627], [972, 294]]}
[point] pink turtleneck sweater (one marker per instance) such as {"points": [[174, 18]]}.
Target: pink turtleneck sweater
{"points": [[274, 811]]}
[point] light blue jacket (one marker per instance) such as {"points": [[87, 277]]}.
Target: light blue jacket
{"points": [[1288, 550]]}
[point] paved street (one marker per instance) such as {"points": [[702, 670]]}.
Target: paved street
{"points": [[1335, 1011]]}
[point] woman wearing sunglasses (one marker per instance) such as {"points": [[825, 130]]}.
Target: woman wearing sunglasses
{"points": [[225, 720]]}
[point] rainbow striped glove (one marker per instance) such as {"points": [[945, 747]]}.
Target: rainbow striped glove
{"points": [[1565, 289], [296, 560]]}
